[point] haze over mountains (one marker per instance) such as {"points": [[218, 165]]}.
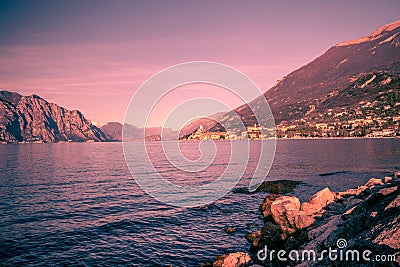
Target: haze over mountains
{"points": [[340, 78]]}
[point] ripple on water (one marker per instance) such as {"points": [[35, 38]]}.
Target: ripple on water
{"points": [[76, 204]]}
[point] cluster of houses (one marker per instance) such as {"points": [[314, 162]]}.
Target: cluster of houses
{"points": [[200, 134], [374, 118], [368, 119], [254, 132]]}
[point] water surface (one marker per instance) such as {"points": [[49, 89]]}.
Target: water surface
{"points": [[76, 204]]}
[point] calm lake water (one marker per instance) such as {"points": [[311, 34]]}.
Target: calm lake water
{"points": [[77, 205]]}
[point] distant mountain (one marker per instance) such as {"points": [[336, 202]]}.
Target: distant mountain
{"points": [[319, 84], [113, 132], [33, 119]]}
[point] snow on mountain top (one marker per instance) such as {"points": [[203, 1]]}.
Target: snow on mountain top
{"points": [[373, 36]]}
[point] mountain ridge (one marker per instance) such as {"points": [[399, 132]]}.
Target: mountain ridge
{"points": [[33, 119], [374, 35], [307, 87], [298, 96]]}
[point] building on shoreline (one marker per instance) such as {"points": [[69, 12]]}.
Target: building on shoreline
{"points": [[254, 132], [200, 134]]}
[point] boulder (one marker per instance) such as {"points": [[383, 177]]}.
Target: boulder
{"points": [[353, 191], [254, 238], [387, 179], [285, 211], [278, 187], [273, 187], [394, 204], [230, 230], [237, 259], [318, 201], [304, 220], [373, 182], [290, 215], [363, 189], [387, 191], [265, 207], [314, 207]]}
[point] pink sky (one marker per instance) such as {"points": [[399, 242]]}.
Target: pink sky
{"points": [[92, 55]]}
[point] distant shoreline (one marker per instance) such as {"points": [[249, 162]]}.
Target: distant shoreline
{"points": [[284, 139]]}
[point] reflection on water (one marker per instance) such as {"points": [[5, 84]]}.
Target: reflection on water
{"points": [[76, 204]]}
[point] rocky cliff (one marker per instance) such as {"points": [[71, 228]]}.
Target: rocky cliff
{"points": [[33, 119]]}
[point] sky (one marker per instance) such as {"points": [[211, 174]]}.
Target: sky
{"points": [[93, 55]]}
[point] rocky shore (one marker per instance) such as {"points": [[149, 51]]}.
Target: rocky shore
{"points": [[358, 227]]}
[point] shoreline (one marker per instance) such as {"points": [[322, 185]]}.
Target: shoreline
{"points": [[137, 141]]}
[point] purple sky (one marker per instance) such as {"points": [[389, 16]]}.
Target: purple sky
{"points": [[92, 55]]}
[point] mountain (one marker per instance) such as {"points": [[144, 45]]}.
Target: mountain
{"points": [[374, 87], [310, 88], [113, 132], [206, 122], [33, 119]]}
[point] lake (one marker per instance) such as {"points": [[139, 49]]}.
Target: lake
{"points": [[76, 204]]}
